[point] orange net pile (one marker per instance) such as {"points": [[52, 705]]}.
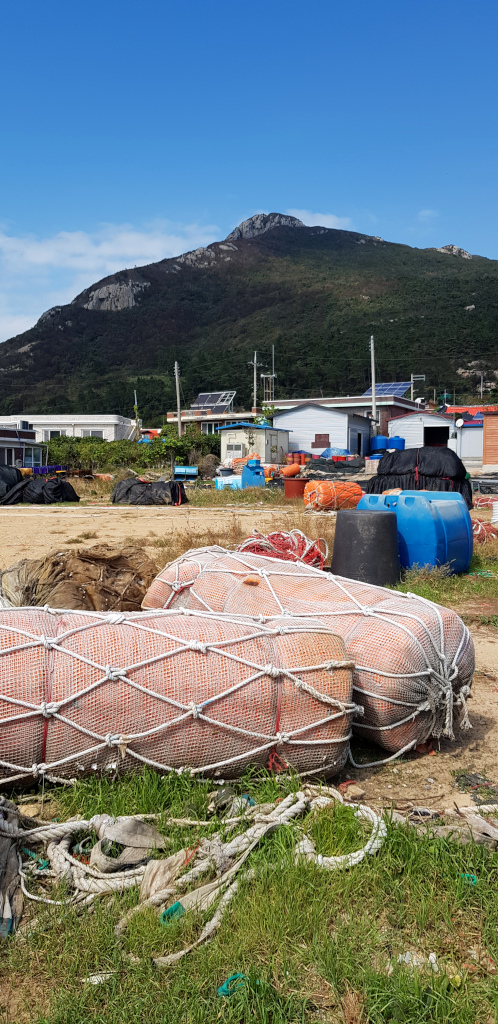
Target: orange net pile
{"points": [[484, 500], [327, 495], [91, 692], [484, 531], [291, 547], [414, 660]]}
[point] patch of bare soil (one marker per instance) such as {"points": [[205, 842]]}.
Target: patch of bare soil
{"points": [[35, 531], [22, 998]]}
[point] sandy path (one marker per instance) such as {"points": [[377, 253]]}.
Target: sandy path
{"points": [[32, 532]]}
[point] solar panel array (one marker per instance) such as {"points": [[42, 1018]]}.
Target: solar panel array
{"points": [[219, 400], [396, 388]]}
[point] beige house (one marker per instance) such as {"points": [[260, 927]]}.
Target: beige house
{"points": [[241, 439]]}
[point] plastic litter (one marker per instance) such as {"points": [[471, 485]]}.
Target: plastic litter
{"points": [[234, 982]]}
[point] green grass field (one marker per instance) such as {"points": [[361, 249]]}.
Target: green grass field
{"points": [[315, 946]]}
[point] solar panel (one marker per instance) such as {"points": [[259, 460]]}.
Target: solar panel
{"points": [[396, 388], [219, 400]]}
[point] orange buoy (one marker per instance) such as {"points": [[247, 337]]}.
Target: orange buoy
{"points": [[327, 495]]}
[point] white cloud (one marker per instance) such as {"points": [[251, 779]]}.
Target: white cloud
{"points": [[323, 220], [38, 273], [427, 215]]}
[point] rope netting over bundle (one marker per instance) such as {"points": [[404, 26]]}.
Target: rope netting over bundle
{"points": [[89, 691], [414, 660]]}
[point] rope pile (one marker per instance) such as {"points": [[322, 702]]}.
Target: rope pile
{"points": [[165, 883], [483, 531], [413, 660], [87, 692], [484, 500], [291, 547], [326, 495]]}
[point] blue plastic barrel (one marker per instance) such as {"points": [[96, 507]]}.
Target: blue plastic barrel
{"points": [[397, 442], [378, 443], [434, 527]]}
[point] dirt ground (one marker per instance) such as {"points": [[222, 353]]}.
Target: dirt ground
{"points": [[31, 532]]}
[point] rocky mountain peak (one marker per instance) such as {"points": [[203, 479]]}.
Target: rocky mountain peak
{"points": [[262, 222], [455, 250]]}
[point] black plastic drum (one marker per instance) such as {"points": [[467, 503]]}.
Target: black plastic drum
{"points": [[366, 547]]}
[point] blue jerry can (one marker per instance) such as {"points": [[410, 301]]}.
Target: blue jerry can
{"points": [[434, 527], [253, 475]]}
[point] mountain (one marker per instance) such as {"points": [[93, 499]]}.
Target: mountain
{"points": [[315, 293]]}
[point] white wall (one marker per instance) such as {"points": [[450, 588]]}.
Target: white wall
{"points": [[256, 440], [113, 427], [251, 441], [306, 421], [470, 442], [412, 427]]}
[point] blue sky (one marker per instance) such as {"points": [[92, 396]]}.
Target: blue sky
{"points": [[135, 131]]}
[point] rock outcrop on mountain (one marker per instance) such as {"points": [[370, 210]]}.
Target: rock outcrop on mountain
{"points": [[262, 222], [455, 250]]}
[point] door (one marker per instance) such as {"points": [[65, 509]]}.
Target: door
{"points": [[436, 437]]}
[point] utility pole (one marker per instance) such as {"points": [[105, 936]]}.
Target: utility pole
{"points": [[178, 406], [254, 363], [269, 381], [137, 427], [413, 378], [374, 398], [482, 390]]}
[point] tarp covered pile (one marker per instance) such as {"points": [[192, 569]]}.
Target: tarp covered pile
{"points": [[39, 490], [101, 578], [421, 469], [136, 491]]}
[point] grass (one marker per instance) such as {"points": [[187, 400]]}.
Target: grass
{"points": [[436, 584], [227, 533], [315, 946]]}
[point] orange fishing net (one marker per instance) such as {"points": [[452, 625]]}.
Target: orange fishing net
{"points": [[328, 495], [484, 531], [291, 547], [414, 660], [89, 691]]}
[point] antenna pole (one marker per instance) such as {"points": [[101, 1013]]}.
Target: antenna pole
{"points": [[374, 399], [178, 406], [135, 408]]}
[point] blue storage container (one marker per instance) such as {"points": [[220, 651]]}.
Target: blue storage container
{"points": [[253, 475], [234, 483], [434, 527], [378, 443], [397, 442]]}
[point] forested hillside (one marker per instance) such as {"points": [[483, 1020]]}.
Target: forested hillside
{"points": [[316, 294]]}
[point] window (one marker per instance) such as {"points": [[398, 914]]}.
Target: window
{"points": [[93, 433], [32, 457], [6, 456], [321, 441], [56, 433]]}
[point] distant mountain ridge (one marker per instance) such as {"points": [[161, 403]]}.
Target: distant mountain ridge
{"points": [[316, 293]]}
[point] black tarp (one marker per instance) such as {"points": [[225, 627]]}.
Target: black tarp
{"points": [[421, 469], [325, 469], [145, 492], [9, 477], [40, 490]]}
